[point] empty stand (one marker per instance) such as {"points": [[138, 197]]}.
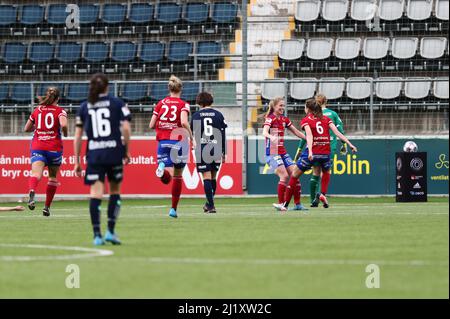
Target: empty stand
{"points": [[357, 89], [303, 90], [419, 9], [273, 90], [441, 88], [391, 10], [418, 89], [334, 10], [442, 9], [390, 89]]}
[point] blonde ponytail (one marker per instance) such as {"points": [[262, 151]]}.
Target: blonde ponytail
{"points": [[321, 99], [175, 84]]}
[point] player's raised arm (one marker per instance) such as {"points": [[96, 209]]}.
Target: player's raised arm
{"points": [[342, 137], [296, 132]]}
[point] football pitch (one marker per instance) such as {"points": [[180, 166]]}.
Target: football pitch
{"points": [[246, 250]]}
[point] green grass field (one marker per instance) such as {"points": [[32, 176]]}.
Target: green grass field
{"points": [[246, 250]]}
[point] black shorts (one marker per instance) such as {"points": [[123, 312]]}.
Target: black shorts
{"points": [[96, 173], [208, 167]]}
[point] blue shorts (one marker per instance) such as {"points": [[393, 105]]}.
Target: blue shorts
{"points": [[275, 161], [304, 164], [173, 153], [49, 158]]}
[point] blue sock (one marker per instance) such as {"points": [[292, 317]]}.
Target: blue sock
{"points": [[113, 211], [94, 209], [209, 192]]}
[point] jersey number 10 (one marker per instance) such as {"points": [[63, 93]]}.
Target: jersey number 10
{"points": [[49, 121], [101, 125]]}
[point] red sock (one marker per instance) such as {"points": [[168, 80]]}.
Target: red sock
{"points": [[290, 189], [281, 192], [297, 192], [32, 183], [50, 193], [176, 191], [166, 178], [325, 181]]}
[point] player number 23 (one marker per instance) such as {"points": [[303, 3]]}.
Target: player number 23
{"points": [[101, 125], [173, 113]]}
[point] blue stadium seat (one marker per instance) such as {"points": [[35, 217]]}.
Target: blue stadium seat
{"points": [[196, 12], [141, 13], [41, 52], [168, 13], [96, 51], [114, 13], [179, 51], [77, 92], [124, 51], [152, 52], [158, 91], [8, 15], [208, 47], [4, 90], [190, 91], [134, 92], [57, 14], [68, 52], [32, 15], [14, 52], [89, 13], [224, 12], [21, 93]]}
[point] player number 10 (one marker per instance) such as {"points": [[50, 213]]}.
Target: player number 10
{"points": [[49, 121], [101, 126]]}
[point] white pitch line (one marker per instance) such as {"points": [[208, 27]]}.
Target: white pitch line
{"points": [[90, 252]]}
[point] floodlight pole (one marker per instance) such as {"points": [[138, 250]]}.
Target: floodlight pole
{"points": [[244, 92]]}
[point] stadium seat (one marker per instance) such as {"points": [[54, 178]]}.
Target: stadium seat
{"points": [[347, 48], [158, 91], [440, 88], [96, 51], [209, 47], [376, 48], [141, 13], [404, 48], [358, 90], [168, 13], [190, 91], [56, 14], [319, 49], [32, 15], [391, 10], [418, 89], [332, 88], [8, 15], [133, 92], [123, 51], [272, 90], [41, 52], [307, 10], [77, 92], [419, 9], [334, 10], [179, 51], [21, 93], [303, 90], [114, 13], [442, 9], [68, 52], [390, 89], [152, 52], [89, 13], [14, 52], [291, 49], [196, 12], [4, 92], [363, 10], [433, 47], [224, 12]]}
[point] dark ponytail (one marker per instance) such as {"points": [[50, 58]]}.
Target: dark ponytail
{"points": [[98, 85], [314, 108], [51, 96]]}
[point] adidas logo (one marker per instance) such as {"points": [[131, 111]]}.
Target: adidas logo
{"points": [[417, 186]]}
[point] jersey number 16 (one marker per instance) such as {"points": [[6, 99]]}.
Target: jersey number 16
{"points": [[101, 126]]}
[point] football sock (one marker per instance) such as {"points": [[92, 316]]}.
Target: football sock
{"points": [[33, 183], [207, 185], [94, 209], [290, 190], [214, 185], [166, 178], [50, 192], [176, 191], [313, 187], [297, 192], [113, 211], [325, 181], [281, 192]]}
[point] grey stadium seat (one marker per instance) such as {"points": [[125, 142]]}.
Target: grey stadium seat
{"points": [[332, 90], [389, 90], [419, 89], [303, 90], [433, 47], [363, 10], [376, 48], [358, 90], [442, 9], [334, 10], [307, 10], [391, 9], [440, 88], [419, 9], [347, 48], [273, 90], [319, 49], [404, 48], [291, 49]]}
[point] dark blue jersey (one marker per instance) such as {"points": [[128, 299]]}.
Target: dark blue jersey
{"points": [[102, 123], [208, 126]]}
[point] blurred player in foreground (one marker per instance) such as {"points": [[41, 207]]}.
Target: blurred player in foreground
{"points": [[277, 158], [47, 121], [171, 121], [105, 119], [12, 209], [317, 154], [314, 185], [208, 126]]}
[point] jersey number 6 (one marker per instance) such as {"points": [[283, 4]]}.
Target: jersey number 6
{"points": [[319, 128]]}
